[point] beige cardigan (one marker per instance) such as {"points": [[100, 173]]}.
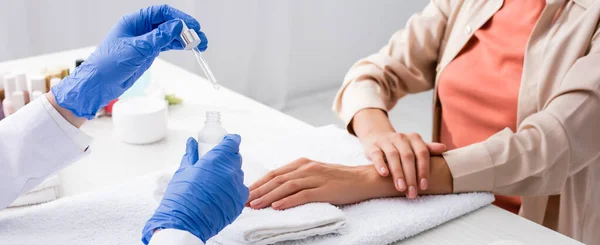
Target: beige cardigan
{"points": [[553, 160]]}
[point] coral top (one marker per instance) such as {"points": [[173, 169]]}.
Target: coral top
{"points": [[479, 89]]}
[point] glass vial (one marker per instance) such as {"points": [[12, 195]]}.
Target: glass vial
{"points": [[211, 134]]}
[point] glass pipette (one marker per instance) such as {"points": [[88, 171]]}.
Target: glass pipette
{"points": [[205, 68], [190, 42]]}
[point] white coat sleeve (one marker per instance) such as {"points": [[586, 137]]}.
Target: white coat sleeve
{"points": [[174, 237], [36, 142]]}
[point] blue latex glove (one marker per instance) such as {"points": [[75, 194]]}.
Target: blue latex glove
{"points": [[125, 54], [204, 195]]}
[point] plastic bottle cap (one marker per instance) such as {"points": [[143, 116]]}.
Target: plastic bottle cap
{"points": [[37, 83], [21, 81], [10, 84], [189, 37]]}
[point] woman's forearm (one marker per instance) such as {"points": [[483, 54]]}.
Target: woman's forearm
{"points": [[440, 181], [369, 121]]}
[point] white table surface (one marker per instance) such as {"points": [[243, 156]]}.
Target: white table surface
{"points": [[111, 161]]}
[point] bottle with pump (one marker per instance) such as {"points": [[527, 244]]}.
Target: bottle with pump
{"points": [[211, 134]]}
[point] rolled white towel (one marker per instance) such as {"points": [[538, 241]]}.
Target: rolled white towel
{"points": [[50, 182], [45, 192], [268, 226], [36, 197]]}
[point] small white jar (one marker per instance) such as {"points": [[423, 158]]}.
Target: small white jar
{"points": [[140, 120]]}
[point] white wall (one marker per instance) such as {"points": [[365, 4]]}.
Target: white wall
{"points": [[271, 50]]}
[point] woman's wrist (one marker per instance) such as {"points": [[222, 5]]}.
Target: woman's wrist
{"points": [[377, 187], [441, 177], [370, 121]]}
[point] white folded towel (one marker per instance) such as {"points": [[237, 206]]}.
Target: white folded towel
{"points": [[268, 226], [116, 215], [36, 197], [378, 221], [45, 192]]}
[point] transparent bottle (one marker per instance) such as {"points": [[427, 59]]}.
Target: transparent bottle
{"points": [[211, 134]]}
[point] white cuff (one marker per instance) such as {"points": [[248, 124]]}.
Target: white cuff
{"points": [[356, 96], [174, 237]]}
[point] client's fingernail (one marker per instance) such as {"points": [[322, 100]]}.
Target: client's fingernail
{"points": [[276, 205], [412, 192], [423, 184], [382, 170], [401, 185], [255, 202]]}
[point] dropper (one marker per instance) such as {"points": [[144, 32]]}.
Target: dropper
{"points": [[190, 41]]}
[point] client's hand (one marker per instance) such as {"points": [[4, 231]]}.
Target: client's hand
{"points": [[304, 181], [406, 156]]}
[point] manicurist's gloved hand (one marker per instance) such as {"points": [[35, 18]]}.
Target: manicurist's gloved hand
{"points": [[125, 54], [204, 195]]}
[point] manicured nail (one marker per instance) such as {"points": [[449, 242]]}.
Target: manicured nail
{"points": [[276, 205], [382, 170], [255, 202], [412, 192], [401, 185], [423, 184]]}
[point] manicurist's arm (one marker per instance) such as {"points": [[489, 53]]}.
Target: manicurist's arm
{"points": [[205, 194], [43, 137], [66, 114], [35, 142]]}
